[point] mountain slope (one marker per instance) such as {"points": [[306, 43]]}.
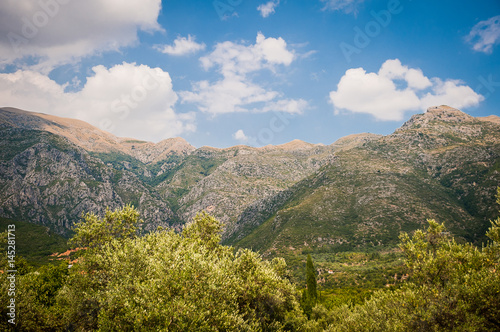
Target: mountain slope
{"points": [[91, 138], [357, 192], [53, 169], [443, 164], [46, 179]]}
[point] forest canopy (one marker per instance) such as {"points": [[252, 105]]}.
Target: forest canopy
{"points": [[188, 281]]}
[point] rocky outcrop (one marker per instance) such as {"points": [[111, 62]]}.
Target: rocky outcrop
{"points": [[361, 190], [52, 182]]}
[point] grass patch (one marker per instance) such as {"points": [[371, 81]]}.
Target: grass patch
{"points": [[35, 242]]}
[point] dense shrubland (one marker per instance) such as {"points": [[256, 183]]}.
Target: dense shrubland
{"points": [[160, 281], [188, 281], [452, 287]]}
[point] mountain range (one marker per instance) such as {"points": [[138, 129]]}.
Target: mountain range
{"points": [[360, 191]]}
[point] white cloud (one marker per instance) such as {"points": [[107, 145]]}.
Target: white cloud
{"points": [[396, 89], [238, 59], [485, 35], [54, 32], [291, 106], [394, 70], [268, 8], [182, 46], [232, 94], [240, 136], [235, 92], [127, 99], [348, 6], [451, 92]]}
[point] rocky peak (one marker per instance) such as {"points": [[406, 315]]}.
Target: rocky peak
{"points": [[296, 144], [354, 140], [443, 114], [447, 114], [148, 152], [93, 139]]}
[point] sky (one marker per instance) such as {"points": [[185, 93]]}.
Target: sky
{"points": [[255, 72]]}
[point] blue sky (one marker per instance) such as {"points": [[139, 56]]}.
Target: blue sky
{"points": [[228, 72]]}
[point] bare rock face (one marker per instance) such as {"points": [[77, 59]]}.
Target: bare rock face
{"points": [[249, 175], [361, 190], [48, 180]]}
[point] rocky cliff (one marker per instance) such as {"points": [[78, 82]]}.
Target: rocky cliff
{"points": [[443, 164], [360, 191]]}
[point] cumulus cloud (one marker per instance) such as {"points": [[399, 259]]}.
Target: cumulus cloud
{"points": [[268, 8], [53, 32], [236, 92], [240, 136], [237, 59], [182, 46], [230, 95], [485, 35], [291, 106], [127, 100], [396, 89], [348, 6]]}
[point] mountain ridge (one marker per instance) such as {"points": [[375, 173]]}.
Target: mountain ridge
{"points": [[92, 138], [358, 191], [79, 132]]}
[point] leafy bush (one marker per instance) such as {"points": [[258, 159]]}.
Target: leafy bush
{"points": [[452, 287], [163, 281]]}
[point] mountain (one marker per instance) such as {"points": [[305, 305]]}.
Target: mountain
{"points": [[53, 169], [357, 192], [443, 164], [50, 175]]}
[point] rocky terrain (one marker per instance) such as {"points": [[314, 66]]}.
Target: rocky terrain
{"points": [[443, 164], [359, 191]]}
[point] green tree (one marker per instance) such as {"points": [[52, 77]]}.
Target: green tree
{"points": [[309, 296], [36, 295], [311, 282], [306, 303], [452, 287], [166, 281], [93, 231]]}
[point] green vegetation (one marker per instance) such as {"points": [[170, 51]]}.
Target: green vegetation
{"points": [[167, 281], [452, 287], [346, 207], [14, 141], [310, 294], [135, 141], [116, 225], [163, 281], [35, 243]]}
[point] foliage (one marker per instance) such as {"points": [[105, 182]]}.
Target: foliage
{"points": [[188, 281], [163, 281], [309, 296], [35, 296], [452, 287], [35, 242], [311, 280], [116, 225], [204, 229]]}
